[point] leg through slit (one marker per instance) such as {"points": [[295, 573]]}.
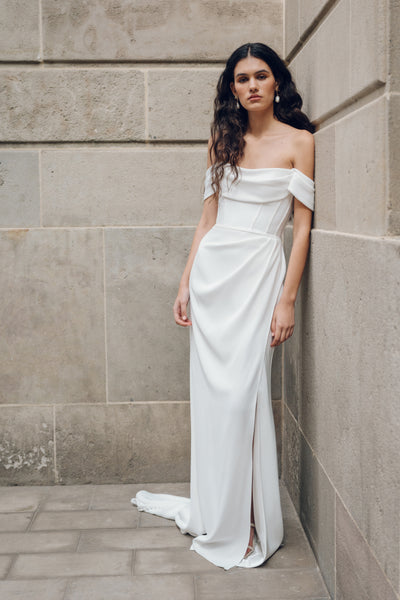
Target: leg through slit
{"points": [[252, 526]]}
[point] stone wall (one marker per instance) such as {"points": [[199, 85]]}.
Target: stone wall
{"points": [[105, 113], [341, 367]]}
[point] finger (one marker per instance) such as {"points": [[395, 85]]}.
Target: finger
{"points": [[183, 311]]}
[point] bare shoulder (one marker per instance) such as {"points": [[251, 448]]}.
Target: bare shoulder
{"points": [[303, 152]]}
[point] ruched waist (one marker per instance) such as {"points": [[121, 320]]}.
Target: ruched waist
{"points": [[249, 230]]}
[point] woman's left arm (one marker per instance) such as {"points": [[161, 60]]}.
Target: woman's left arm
{"points": [[282, 324]]}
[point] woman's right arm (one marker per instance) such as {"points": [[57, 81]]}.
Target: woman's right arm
{"points": [[207, 220]]}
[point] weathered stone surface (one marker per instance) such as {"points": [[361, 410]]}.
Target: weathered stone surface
{"points": [[349, 410], [276, 373], [368, 49], [311, 11], [19, 30], [181, 103], [26, 448], [32, 589], [123, 187], [123, 442], [19, 189], [147, 352], [325, 178], [141, 587], [393, 216], [38, 541], [78, 104], [322, 82], [317, 512], [291, 467], [150, 30], [361, 184], [292, 32], [394, 46], [52, 342], [358, 573]]}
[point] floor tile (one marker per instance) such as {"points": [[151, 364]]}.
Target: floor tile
{"points": [[49, 541], [174, 560], [142, 587], [71, 497], [68, 564], [19, 498], [33, 589], [15, 521], [159, 537], [85, 519]]}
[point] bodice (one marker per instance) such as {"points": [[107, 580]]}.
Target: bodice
{"points": [[261, 199]]}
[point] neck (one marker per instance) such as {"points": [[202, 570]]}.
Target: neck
{"points": [[261, 123]]}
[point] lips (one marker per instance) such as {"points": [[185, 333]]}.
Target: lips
{"points": [[255, 96]]}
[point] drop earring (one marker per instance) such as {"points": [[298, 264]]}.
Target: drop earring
{"points": [[277, 98], [237, 103]]}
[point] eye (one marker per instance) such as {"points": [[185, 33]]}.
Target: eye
{"points": [[262, 76]]}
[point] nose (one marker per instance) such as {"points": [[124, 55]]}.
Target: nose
{"points": [[253, 85]]}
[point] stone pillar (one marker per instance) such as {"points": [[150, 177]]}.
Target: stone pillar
{"points": [[105, 113], [341, 367]]}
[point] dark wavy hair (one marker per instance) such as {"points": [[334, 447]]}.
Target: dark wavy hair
{"points": [[230, 123]]}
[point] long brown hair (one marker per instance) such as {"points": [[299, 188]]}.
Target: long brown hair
{"points": [[230, 123]]}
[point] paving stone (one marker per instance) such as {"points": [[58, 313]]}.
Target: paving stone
{"points": [[85, 519], [142, 587], [155, 537], [33, 589], [15, 521], [68, 564], [265, 584], [71, 497], [296, 552], [57, 541], [118, 497], [174, 560], [149, 520], [21, 498]]}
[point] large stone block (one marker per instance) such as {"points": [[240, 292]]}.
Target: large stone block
{"points": [[368, 48], [26, 446], [70, 104], [123, 443], [317, 511], [291, 458], [148, 353], [123, 187], [361, 170], [351, 360], [19, 189], [393, 217], [292, 32], [358, 574], [52, 315], [180, 103], [394, 45], [153, 30], [325, 179], [19, 30], [323, 82]]}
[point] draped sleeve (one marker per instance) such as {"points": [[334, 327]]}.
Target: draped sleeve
{"points": [[208, 190], [302, 188]]}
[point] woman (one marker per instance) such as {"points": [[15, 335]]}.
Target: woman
{"points": [[259, 170]]}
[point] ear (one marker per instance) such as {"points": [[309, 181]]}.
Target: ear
{"points": [[232, 85]]}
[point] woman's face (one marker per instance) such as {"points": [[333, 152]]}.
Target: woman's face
{"points": [[252, 76]]}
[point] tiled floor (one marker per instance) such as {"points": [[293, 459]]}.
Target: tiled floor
{"points": [[86, 542]]}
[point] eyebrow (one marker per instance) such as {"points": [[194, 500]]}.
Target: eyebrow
{"points": [[260, 71]]}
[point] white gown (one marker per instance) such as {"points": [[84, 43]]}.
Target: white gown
{"points": [[235, 282]]}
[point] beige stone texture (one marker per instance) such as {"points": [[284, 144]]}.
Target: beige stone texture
{"points": [[291, 29], [52, 316], [32, 589], [19, 189], [148, 353], [156, 186], [19, 30], [149, 30], [358, 573], [180, 102], [393, 49], [71, 104], [348, 409], [325, 178], [361, 164], [26, 449], [393, 216], [123, 442]]}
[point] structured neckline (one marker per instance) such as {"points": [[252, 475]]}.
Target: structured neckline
{"points": [[270, 169]]}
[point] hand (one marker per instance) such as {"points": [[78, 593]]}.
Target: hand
{"points": [[180, 306], [282, 324]]}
